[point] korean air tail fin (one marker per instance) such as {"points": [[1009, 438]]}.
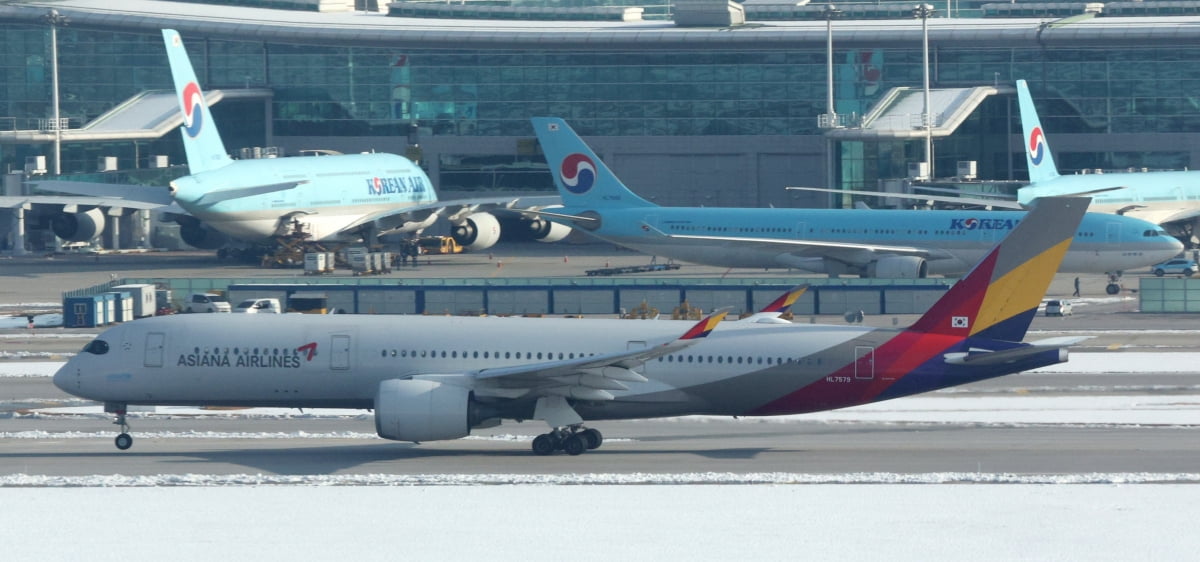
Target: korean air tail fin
{"points": [[1037, 149], [581, 177], [999, 297], [201, 141]]}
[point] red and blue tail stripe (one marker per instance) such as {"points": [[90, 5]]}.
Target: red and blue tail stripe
{"points": [[992, 307]]}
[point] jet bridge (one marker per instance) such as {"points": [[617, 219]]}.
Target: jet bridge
{"points": [[898, 114], [146, 116]]}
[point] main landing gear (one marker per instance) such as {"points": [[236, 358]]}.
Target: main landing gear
{"points": [[124, 440], [573, 440]]}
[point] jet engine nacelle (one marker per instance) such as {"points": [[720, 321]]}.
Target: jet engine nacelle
{"points": [[78, 227], [479, 231], [899, 267], [543, 230], [422, 410], [199, 235]]}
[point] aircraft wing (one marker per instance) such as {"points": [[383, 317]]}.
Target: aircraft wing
{"points": [[587, 378], [980, 201], [13, 202], [151, 195], [393, 219], [1161, 216], [850, 252]]}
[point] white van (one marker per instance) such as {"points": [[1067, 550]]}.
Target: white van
{"points": [[1058, 308], [206, 302], [259, 306]]}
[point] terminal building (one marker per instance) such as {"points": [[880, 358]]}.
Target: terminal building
{"points": [[699, 102]]}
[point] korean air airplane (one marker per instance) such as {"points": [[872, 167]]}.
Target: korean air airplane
{"points": [[322, 198], [865, 242], [431, 378], [1168, 199]]}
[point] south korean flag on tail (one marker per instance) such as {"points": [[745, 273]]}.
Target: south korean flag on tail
{"points": [[959, 322]]}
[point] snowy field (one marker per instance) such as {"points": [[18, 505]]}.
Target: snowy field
{"points": [[609, 523], [659, 516]]}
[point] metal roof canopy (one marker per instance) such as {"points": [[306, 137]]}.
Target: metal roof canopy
{"points": [[898, 114], [146, 116]]}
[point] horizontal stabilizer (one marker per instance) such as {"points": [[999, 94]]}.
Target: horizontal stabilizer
{"points": [[214, 197], [540, 213], [977, 356], [1063, 341]]}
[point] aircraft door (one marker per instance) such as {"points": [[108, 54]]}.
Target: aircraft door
{"points": [[339, 359], [1112, 233], [864, 362], [651, 221], [801, 230], [154, 349]]}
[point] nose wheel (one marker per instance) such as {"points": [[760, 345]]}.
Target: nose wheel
{"points": [[124, 440], [1114, 284], [573, 440]]}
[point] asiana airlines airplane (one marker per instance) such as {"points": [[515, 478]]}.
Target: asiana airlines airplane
{"points": [[431, 378]]}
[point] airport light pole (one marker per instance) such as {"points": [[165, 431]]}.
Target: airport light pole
{"points": [[830, 119], [830, 13], [55, 20], [924, 11]]}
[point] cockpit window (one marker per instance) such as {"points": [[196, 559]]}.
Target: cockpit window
{"points": [[96, 347]]}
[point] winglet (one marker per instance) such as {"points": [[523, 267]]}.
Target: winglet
{"points": [[786, 300], [705, 325], [999, 297], [201, 141], [1037, 149]]}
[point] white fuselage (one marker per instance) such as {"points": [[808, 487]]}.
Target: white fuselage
{"points": [[331, 194]]}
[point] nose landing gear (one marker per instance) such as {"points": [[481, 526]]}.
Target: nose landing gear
{"points": [[1114, 283], [123, 440]]}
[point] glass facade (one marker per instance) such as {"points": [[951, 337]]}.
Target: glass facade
{"points": [[362, 92]]}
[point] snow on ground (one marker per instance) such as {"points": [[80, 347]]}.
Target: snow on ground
{"points": [[673, 516], [1127, 362], [29, 368], [530, 523]]}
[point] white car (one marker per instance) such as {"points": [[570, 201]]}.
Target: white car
{"points": [[259, 306], [1058, 308]]}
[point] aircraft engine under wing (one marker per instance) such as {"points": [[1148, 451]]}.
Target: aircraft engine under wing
{"points": [[422, 410], [78, 227], [199, 235], [478, 231], [899, 267], [543, 230]]}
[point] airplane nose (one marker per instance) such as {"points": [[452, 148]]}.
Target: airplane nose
{"points": [[65, 377]]}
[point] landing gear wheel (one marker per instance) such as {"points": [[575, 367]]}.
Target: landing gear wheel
{"points": [[593, 437], [1112, 289], [575, 445], [124, 441], [543, 444]]}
